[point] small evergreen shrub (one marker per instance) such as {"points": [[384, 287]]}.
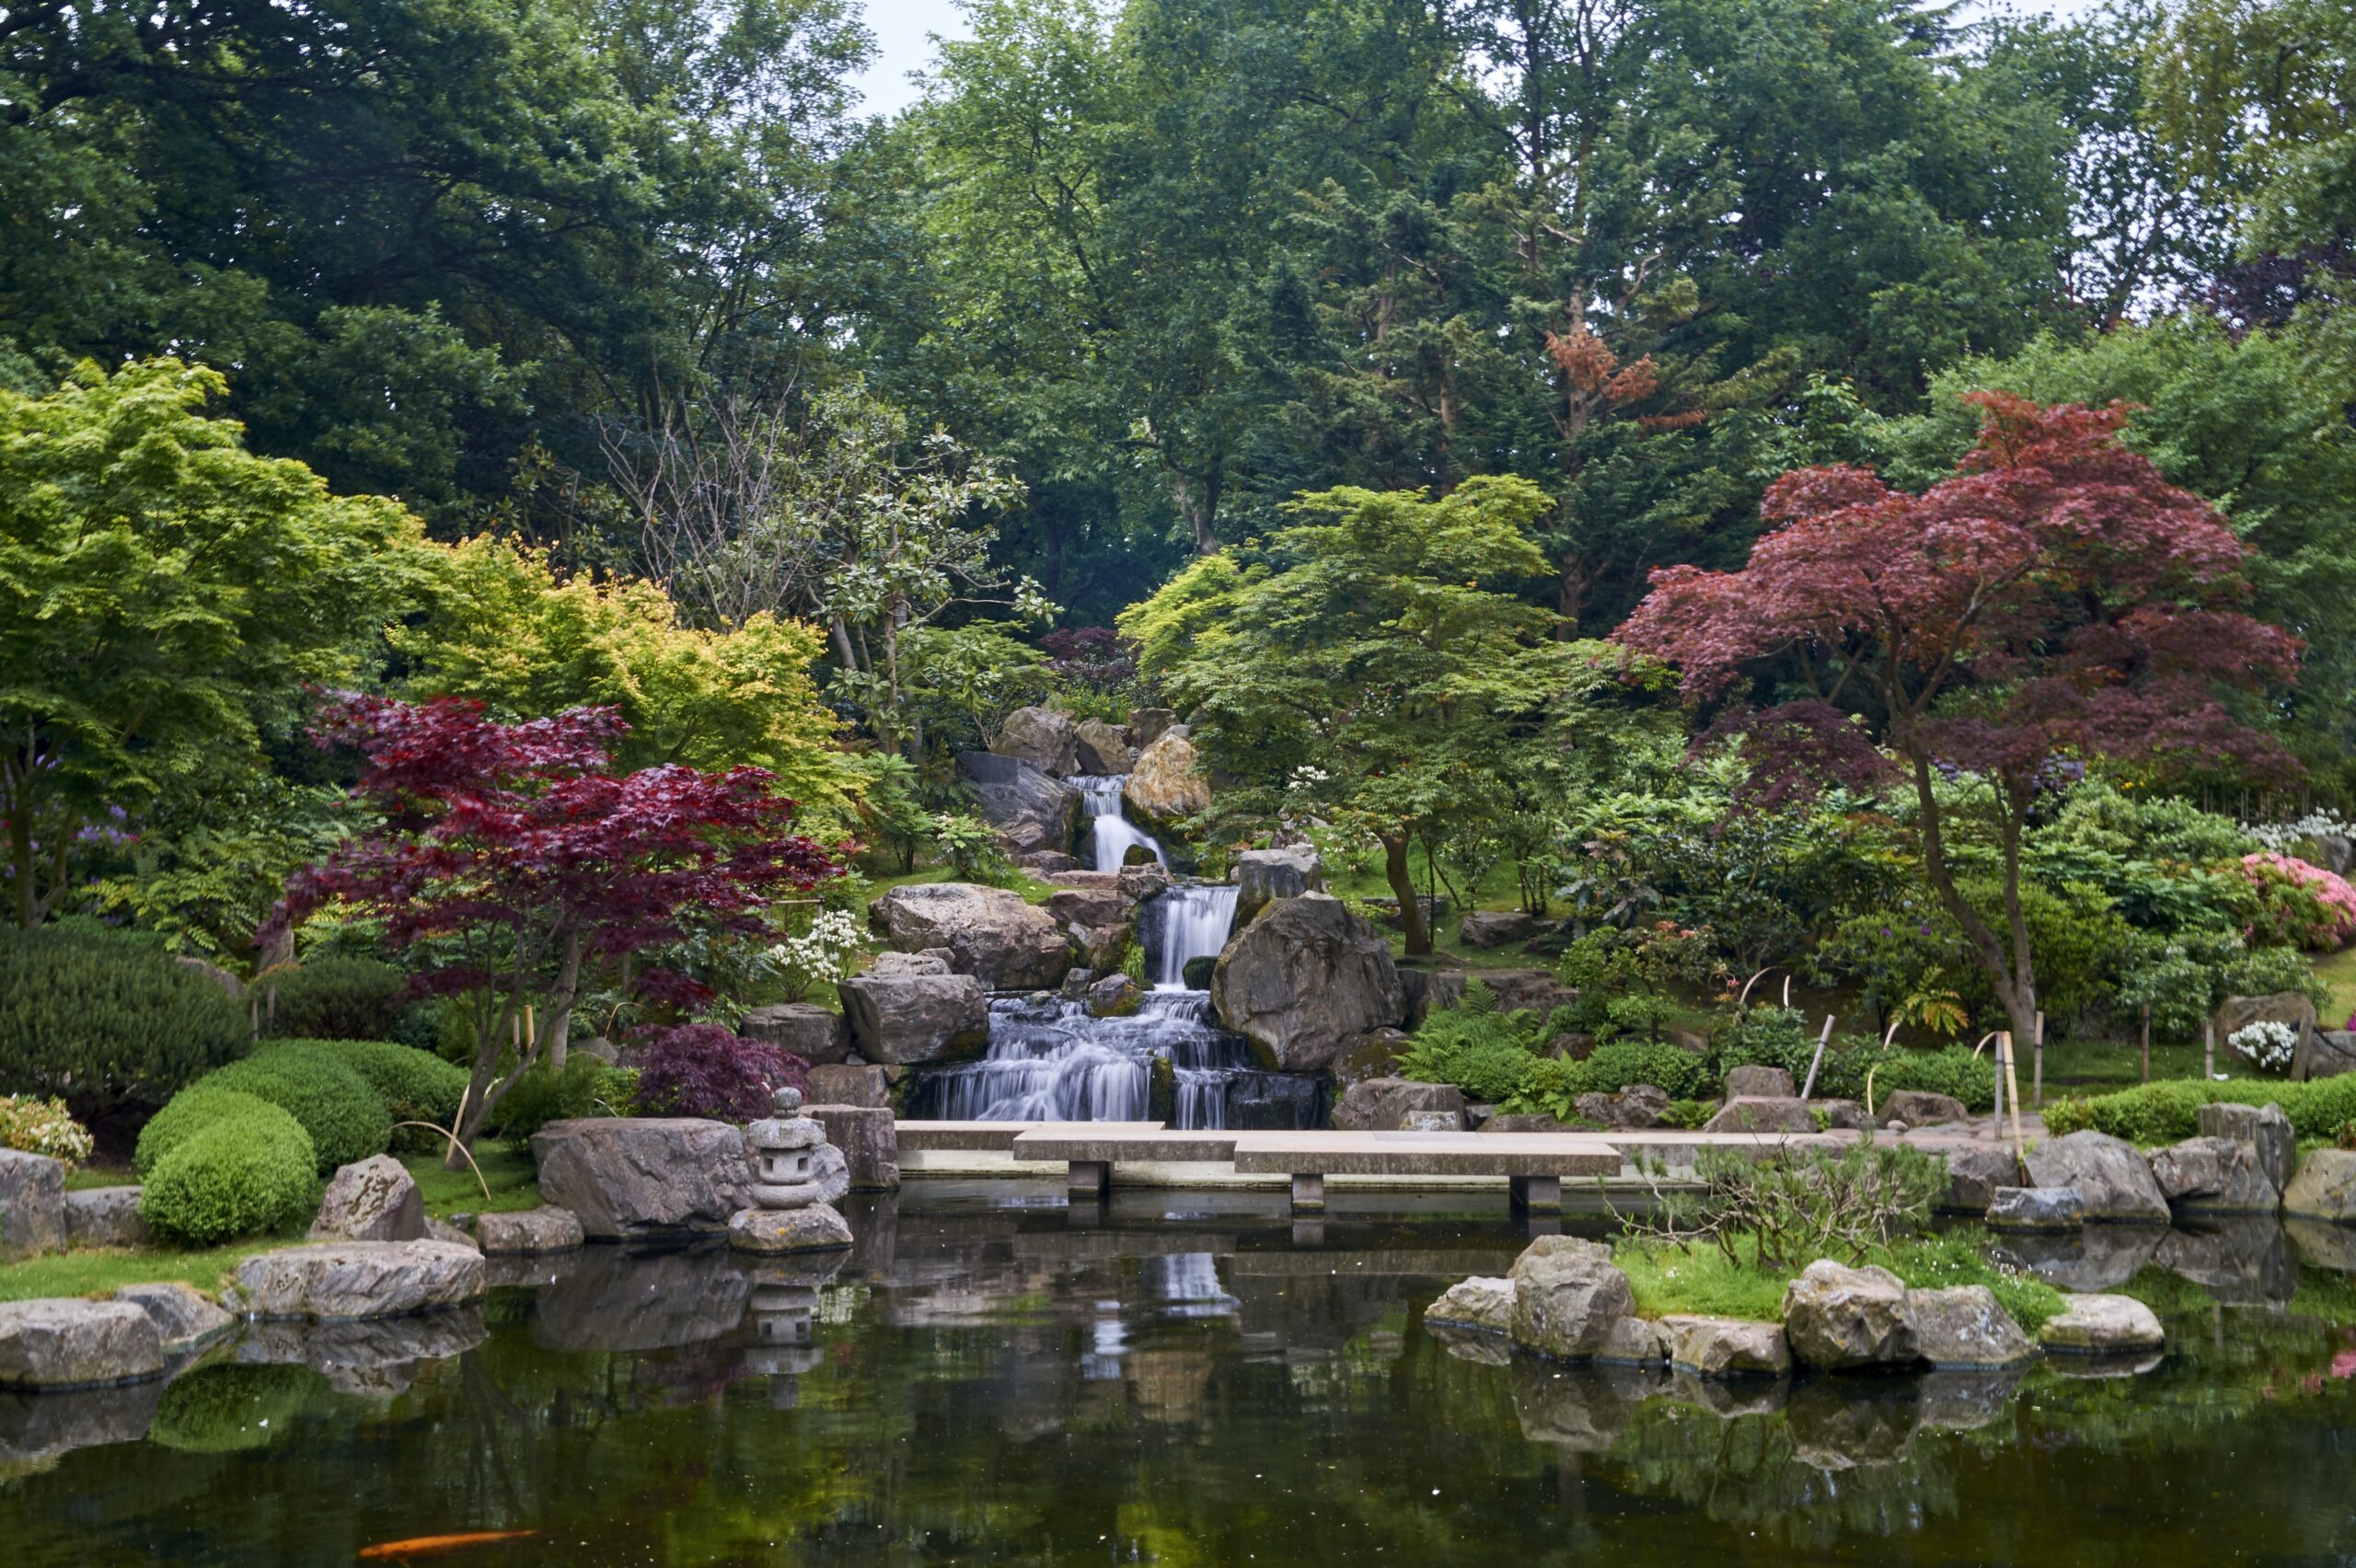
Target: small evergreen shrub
{"points": [[335, 997], [102, 1022], [242, 1174], [1952, 1070], [416, 1085], [191, 1111], [346, 1118], [1679, 1073], [544, 1095]]}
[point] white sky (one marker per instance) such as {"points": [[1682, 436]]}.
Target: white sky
{"points": [[901, 29]]}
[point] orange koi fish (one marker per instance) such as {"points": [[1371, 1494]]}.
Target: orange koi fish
{"points": [[437, 1545]]}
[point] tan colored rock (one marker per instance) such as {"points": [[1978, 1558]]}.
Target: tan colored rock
{"points": [[1754, 1082], [2101, 1325], [1758, 1114], [374, 1199], [1966, 1327], [817, 1228], [643, 1176], [1726, 1347], [1046, 739], [990, 932], [105, 1216], [1568, 1296], [1836, 1317], [1166, 784], [1485, 1303], [1103, 748], [2324, 1187], [333, 1280], [543, 1230]]}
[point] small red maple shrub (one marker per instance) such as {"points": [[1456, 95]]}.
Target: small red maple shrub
{"points": [[701, 1069], [510, 859], [2055, 601]]}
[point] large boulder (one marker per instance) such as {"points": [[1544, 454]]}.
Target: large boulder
{"points": [[76, 1345], [1103, 748], [992, 934], [2324, 1187], [1517, 989], [1031, 812], [374, 1199], [1566, 1296], [869, 1139], [1165, 784], [1753, 1080], [1836, 1317], [1383, 1104], [105, 1216], [2264, 1127], [643, 1176], [817, 1034], [2215, 1176], [899, 1013], [2324, 1053], [1726, 1347], [1483, 1303], [332, 1280], [817, 1228], [1046, 739], [1495, 927], [33, 1204], [1304, 980], [519, 1231], [1964, 1326], [2036, 1208], [1634, 1108], [1148, 725], [1263, 876], [184, 1317], [2102, 1325], [850, 1084], [2113, 1180], [1761, 1114], [1974, 1172], [1921, 1108]]}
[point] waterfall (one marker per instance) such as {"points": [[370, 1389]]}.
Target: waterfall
{"points": [[1049, 1061], [1191, 920], [1111, 831]]}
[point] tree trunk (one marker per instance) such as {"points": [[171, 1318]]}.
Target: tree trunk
{"points": [[2009, 972], [1403, 884]]}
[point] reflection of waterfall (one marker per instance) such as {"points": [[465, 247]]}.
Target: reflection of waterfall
{"points": [[1111, 833], [1049, 1061], [1187, 1282], [1191, 920]]}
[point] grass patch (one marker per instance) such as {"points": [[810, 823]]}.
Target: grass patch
{"points": [[102, 1271], [514, 1183], [1667, 1279], [84, 1178], [2337, 973]]}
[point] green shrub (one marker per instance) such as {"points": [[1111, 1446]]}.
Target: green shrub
{"points": [[1768, 1037], [1482, 1051], [191, 1111], [2168, 1111], [346, 1118], [103, 1023], [334, 997], [418, 1027], [1952, 1070], [543, 1096], [33, 1125], [242, 1174], [1681, 1074], [416, 1085]]}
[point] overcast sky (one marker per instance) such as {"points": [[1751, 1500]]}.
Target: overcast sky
{"points": [[903, 29]]}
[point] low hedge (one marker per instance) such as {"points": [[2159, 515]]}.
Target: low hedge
{"points": [[2167, 1111], [416, 1085], [334, 999], [346, 1118], [249, 1170]]}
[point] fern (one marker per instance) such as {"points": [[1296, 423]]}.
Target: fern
{"points": [[1478, 1000]]}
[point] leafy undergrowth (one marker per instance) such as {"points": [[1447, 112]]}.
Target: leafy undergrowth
{"points": [[1703, 1280]]}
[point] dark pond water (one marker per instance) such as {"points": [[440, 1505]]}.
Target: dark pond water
{"points": [[1185, 1379]]}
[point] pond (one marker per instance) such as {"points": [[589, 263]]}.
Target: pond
{"points": [[1178, 1378]]}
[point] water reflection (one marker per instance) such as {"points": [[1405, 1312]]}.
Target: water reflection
{"points": [[1186, 1380]]}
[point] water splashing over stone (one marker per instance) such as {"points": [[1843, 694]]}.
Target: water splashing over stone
{"points": [[1111, 833]]}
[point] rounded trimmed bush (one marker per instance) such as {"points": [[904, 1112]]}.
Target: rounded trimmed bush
{"points": [[241, 1175], [191, 1111], [334, 999], [346, 1118], [102, 1022], [416, 1085]]}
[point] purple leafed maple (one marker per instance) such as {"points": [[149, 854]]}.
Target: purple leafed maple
{"points": [[701, 1069], [2056, 598], [512, 855]]}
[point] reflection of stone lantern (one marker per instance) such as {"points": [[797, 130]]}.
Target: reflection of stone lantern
{"points": [[784, 1304]]}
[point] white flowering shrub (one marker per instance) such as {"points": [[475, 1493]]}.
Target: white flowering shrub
{"points": [[819, 956], [2282, 837], [2266, 1045], [44, 1127]]}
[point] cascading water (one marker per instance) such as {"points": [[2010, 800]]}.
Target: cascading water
{"points": [[1191, 920], [1111, 831]]}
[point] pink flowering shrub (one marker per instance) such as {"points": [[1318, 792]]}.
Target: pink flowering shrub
{"points": [[2300, 904]]}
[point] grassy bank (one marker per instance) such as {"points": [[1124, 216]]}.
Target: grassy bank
{"points": [[1668, 1279], [99, 1271]]}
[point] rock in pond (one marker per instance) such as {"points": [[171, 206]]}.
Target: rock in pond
{"points": [[2112, 1178], [2036, 1208], [2323, 1188], [1836, 1318], [1974, 1172], [374, 1199], [643, 1176], [849, 1084], [1115, 995], [1634, 1341], [991, 933], [76, 1345], [626, 1298], [2102, 1325], [1921, 1108], [184, 1317], [333, 1281], [2214, 1176], [543, 1230], [1761, 1114], [805, 1029], [1482, 1303], [1263, 876], [817, 1228], [1964, 1327], [2264, 1127], [105, 1216], [1566, 1296], [2090, 1260], [1305, 980], [33, 1204], [870, 1141], [914, 1010], [1751, 1080], [1031, 812], [1726, 1347], [1383, 1104]]}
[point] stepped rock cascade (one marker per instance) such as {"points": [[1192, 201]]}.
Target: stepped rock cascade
{"points": [[1111, 833], [1048, 1060]]}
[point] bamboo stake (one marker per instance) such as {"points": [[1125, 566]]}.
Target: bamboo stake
{"points": [[2012, 1086], [2036, 1066], [2147, 1042], [1814, 1062], [2209, 1049]]}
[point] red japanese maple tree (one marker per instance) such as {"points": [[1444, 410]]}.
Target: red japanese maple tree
{"points": [[2055, 602], [510, 857]]}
